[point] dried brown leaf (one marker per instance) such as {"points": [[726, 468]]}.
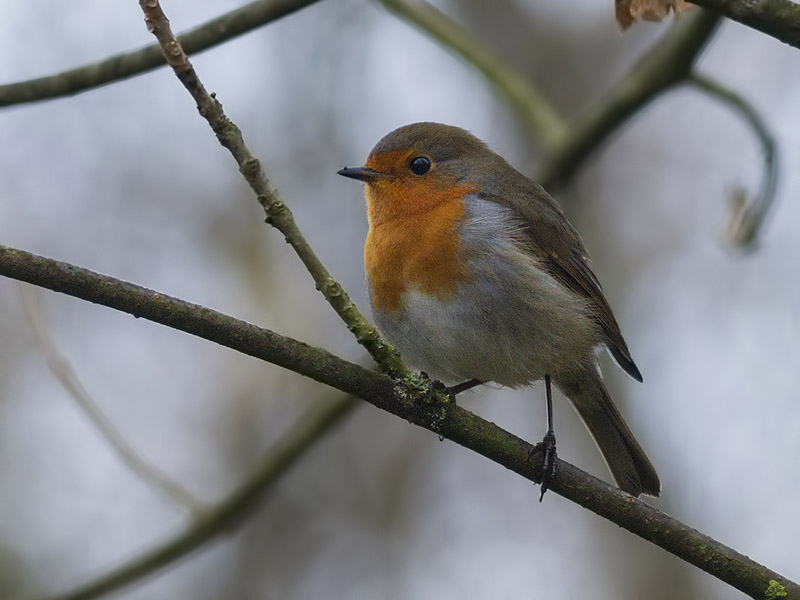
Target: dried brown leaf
{"points": [[630, 11]]}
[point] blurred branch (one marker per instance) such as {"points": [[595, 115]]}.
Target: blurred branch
{"points": [[546, 126], [62, 370], [125, 65], [278, 213], [231, 511], [667, 64], [567, 145], [746, 220], [777, 18], [412, 400]]}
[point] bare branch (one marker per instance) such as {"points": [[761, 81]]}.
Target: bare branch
{"points": [[65, 374], [546, 126], [747, 219], [667, 64], [278, 213], [231, 511], [777, 18], [567, 145], [128, 64], [413, 401]]}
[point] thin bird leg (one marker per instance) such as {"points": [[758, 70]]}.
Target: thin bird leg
{"points": [[549, 442], [463, 387], [436, 386]]}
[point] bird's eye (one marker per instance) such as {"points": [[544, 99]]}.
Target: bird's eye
{"points": [[420, 165]]}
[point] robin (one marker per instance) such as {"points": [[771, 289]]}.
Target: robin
{"points": [[476, 276]]}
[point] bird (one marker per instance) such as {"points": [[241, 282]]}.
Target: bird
{"points": [[475, 275]]}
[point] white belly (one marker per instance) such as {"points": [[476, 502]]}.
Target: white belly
{"points": [[512, 324]]}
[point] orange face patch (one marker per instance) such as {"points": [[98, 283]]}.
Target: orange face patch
{"points": [[413, 238]]}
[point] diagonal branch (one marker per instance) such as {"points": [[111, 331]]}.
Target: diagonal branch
{"points": [[128, 64], [567, 145], [415, 403], [542, 120], [667, 64], [777, 18], [278, 213], [230, 511], [62, 370], [747, 219]]}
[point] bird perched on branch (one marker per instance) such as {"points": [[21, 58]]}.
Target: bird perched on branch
{"points": [[475, 275]]}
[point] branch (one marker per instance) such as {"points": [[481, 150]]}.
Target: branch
{"points": [[542, 120], [413, 402], [229, 512], [777, 18], [667, 64], [62, 370], [746, 221], [125, 65], [278, 213], [567, 146]]}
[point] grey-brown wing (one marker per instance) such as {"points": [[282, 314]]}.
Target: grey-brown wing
{"points": [[563, 254]]}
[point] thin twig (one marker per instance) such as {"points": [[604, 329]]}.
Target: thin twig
{"points": [[546, 126], [418, 405], [777, 18], [229, 512], [66, 376], [278, 213], [747, 218], [667, 64], [128, 64]]}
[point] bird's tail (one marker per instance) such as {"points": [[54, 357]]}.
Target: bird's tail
{"points": [[629, 465]]}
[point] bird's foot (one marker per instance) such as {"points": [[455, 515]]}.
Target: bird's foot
{"points": [[436, 386], [547, 447], [453, 390]]}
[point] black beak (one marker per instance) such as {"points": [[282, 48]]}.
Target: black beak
{"points": [[360, 173]]}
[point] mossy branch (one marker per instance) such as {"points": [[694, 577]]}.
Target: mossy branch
{"points": [[409, 400], [278, 213]]}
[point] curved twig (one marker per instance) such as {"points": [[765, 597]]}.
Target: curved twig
{"points": [[667, 64], [568, 145], [747, 219], [777, 18], [543, 121], [411, 401], [127, 64], [66, 376]]}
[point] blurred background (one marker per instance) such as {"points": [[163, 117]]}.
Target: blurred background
{"points": [[127, 180]]}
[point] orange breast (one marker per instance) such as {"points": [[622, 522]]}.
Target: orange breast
{"points": [[416, 249]]}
